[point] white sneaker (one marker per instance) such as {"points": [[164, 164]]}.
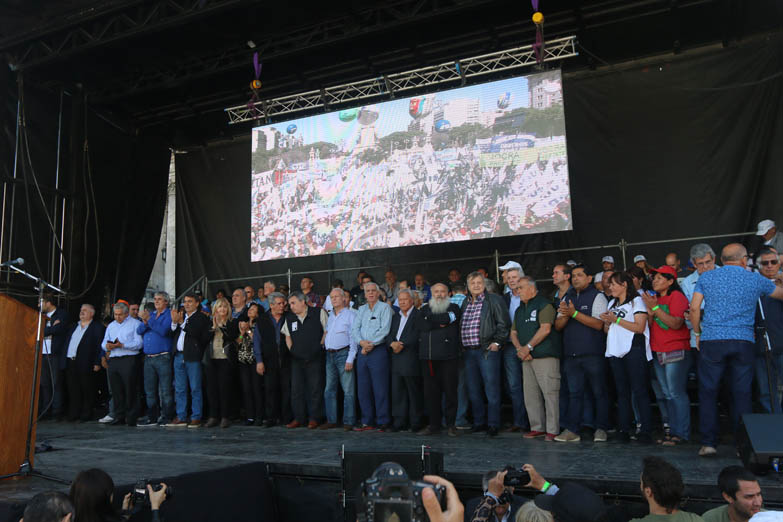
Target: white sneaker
{"points": [[107, 419], [600, 436], [568, 436]]}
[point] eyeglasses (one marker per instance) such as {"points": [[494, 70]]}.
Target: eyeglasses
{"points": [[771, 262]]}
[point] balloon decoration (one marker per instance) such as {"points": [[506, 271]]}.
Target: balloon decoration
{"points": [[348, 115], [255, 85], [368, 115], [538, 20], [504, 100], [442, 126], [420, 107], [291, 129]]}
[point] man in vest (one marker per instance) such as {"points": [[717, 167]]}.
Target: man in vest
{"points": [[531, 335], [584, 345], [304, 330]]}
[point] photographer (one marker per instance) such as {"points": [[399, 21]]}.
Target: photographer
{"points": [[92, 494], [499, 500]]}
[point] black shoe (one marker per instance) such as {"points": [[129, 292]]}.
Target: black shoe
{"points": [[453, 432], [258, 422], [426, 431], [478, 428], [146, 422], [269, 423], [131, 424], [249, 422], [116, 422], [492, 431], [385, 427]]}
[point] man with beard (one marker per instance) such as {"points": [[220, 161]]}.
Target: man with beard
{"points": [[438, 325], [740, 488]]}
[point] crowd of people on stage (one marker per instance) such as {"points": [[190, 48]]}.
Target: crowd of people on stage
{"points": [[438, 357]]}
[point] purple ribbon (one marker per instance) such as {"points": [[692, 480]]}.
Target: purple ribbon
{"points": [[257, 65], [535, 5]]}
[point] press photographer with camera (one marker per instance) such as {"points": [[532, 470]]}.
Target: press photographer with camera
{"points": [[92, 494], [499, 502]]}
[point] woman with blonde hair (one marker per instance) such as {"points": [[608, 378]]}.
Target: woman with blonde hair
{"points": [[220, 363]]}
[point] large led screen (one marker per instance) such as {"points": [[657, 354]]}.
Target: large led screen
{"points": [[475, 162]]}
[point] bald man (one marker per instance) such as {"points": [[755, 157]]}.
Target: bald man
{"points": [[725, 336]]}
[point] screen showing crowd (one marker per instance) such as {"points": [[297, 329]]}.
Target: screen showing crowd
{"points": [[476, 162]]}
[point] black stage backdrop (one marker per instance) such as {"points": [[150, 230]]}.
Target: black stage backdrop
{"points": [[671, 147], [128, 173]]}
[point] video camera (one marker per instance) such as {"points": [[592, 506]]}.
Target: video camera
{"points": [[390, 495]]}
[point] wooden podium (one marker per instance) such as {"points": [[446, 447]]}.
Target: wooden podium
{"points": [[18, 324]]}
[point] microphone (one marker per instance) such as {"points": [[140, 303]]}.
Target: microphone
{"points": [[18, 261]]}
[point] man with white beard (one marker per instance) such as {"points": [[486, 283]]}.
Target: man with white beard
{"points": [[438, 325]]}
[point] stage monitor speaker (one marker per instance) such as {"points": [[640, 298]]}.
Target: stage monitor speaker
{"points": [[759, 440]]}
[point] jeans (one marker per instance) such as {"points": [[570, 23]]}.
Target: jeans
{"points": [[372, 373], [482, 369], [673, 378], [187, 374], [631, 378], [776, 370], [157, 382], [463, 401], [335, 373], [587, 372], [714, 358], [512, 368]]}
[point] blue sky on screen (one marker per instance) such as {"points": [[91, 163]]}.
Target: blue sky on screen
{"points": [[393, 115]]}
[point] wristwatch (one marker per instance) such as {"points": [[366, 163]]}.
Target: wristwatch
{"points": [[529, 347]]}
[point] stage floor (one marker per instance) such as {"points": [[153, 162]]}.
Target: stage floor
{"points": [[132, 453]]}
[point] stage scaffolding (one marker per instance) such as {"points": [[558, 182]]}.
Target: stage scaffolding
{"points": [[496, 259]]}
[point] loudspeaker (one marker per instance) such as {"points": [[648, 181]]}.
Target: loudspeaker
{"points": [[759, 440]]}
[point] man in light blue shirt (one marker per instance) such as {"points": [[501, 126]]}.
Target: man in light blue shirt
{"points": [[340, 355], [703, 258], [726, 336], [123, 344], [369, 331]]}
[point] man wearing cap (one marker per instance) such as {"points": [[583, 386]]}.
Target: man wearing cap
{"points": [[768, 231], [504, 269], [726, 336], [607, 263], [641, 262]]}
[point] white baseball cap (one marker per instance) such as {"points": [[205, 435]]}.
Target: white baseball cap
{"points": [[511, 264], [571, 262], [607, 259], [638, 258], [765, 226]]}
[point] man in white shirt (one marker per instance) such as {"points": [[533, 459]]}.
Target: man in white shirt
{"points": [[122, 345]]}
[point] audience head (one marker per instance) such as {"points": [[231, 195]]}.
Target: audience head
{"points": [[703, 257], [573, 503], [419, 280], [269, 287], [561, 274], [49, 506], [161, 301], [360, 275], [491, 286], [513, 275], [283, 289], [86, 313], [221, 312], [580, 277], [405, 300], [662, 484], [337, 297], [439, 301], [250, 293], [403, 283], [253, 312], [338, 283], [483, 271], [260, 293], [767, 229], [238, 298], [606, 275], [306, 284], [740, 488], [133, 310], [49, 303], [371, 292], [454, 275], [458, 288], [673, 260], [390, 277], [527, 288], [734, 254], [502, 507], [665, 280], [297, 302], [92, 492], [476, 283], [621, 287], [638, 276], [220, 293], [529, 512], [120, 312], [769, 262], [277, 303], [607, 263], [640, 261], [366, 278]]}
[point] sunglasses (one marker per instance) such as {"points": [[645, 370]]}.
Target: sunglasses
{"points": [[772, 262]]}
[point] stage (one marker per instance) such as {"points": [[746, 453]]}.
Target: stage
{"points": [[312, 457]]}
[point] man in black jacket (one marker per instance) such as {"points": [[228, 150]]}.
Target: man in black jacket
{"points": [[83, 360], [274, 362], [438, 326], [191, 335], [53, 360], [403, 339], [484, 327]]}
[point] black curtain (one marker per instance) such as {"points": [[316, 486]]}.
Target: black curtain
{"points": [[119, 183], [675, 147]]}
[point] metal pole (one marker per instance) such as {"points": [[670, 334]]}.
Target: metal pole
{"points": [[289, 279], [623, 246], [56, 188], [497, 267], [13, 186]]}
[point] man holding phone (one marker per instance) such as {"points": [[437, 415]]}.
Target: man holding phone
{"points": [[122, 345]]}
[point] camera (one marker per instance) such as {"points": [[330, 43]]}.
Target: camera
{"points": [[516, 477], [141, 497], [389, 495]]}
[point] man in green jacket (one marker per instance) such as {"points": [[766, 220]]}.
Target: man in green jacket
{"points": [[532, 335]]}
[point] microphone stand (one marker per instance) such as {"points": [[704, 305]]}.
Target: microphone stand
{"points": [[26, 469], [762, 330]]}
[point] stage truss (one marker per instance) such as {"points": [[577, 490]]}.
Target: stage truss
{"points": [[389, 85]]}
